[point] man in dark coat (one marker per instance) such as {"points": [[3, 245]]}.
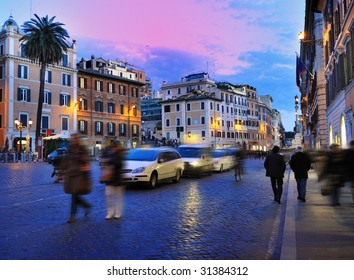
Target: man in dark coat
{"points": [[275, 167], [300, 163]]}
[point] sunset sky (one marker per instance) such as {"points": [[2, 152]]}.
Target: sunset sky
{"points": [[238, 41]]}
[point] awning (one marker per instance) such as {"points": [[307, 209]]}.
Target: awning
{"points": [[57, 136]]}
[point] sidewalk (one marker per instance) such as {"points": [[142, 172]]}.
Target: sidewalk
{"points": [[315, 229]]}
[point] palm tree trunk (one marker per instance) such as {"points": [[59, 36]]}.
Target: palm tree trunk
{"points": [[40, 106]]}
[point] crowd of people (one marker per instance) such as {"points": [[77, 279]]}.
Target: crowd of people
{"points": [[334, 169]]}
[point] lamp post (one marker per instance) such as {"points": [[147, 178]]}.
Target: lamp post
{"points": [[296, 115], [318, 42], [21, 127]]}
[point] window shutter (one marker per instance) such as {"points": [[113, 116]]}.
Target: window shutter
{"points": [[19, 94], [69, 80], [61, 100], [49, 98], [50, 77], [19, 71], [28, 95], [69, 101], [86, 126], [25, 69], [85, 83]]}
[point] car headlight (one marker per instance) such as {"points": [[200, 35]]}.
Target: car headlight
{"points": [[194, 163], [139, 169]]}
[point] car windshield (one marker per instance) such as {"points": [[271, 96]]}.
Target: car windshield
{"points": [[190, 152], [142, 155]]}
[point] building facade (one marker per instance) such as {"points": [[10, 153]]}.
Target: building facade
{"points": [[109, 98], [199, 110], [19, 90], [329, 53]]}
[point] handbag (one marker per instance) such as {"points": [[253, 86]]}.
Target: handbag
{"points": [[77, 184], [107, 173]]}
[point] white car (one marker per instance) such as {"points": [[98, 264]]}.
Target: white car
{"points": [[222, 160], [151, 165], [197, 159]]}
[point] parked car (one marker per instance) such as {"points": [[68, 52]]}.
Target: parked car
{"points": [[222, 160], [197, 159], [152, 165], [59, 152]]}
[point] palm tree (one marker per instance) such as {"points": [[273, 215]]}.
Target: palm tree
{"points": [[44, 42]]}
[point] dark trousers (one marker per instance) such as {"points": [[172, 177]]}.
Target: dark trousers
{"points": [[277, 186], [76, 200]]}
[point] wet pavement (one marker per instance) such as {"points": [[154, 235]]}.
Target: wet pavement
{"points": [[213, 217]]}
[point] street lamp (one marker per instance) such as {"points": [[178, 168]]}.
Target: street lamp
{"points": [[301, 37], [21, 127]]}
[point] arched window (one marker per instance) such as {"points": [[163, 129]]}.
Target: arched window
{"points": [[343, 132]]}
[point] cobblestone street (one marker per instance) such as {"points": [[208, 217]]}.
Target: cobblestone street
{"points": [[214, 217]]}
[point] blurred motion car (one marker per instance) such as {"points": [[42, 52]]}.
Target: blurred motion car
{"points": [[197, 159], [223, 159], [57, 153], [152, 165]]}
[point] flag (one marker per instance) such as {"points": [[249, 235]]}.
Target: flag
{"points": [[300, 70]]}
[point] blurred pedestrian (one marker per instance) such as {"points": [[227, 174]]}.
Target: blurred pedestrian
{"points": [[275, 167], [112, 163], [77, 180], [239, 161], [58, 166], [336, 171], [349, 166], [300, 164]]}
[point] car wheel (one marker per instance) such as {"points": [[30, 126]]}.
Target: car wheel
{"points": [[153, 180], [177, 177], [221, 168]]}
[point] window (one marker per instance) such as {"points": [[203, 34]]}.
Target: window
{"points": [[82, 126], [1, 71], [0, 94], [24, 94], [23, 71], [47, 98], [111, 108], [122, 129], [203, 133], [64, 100], [66, 80], [188, 107], [45, 123], [122, 109], [189, 121], [64, 123], [111, 88], [111, 129], [122, 90], [202, 106], [0, 121], [82, 104], [135, 130], [98, 128], [48, 76], [22, 51], [24, 119], [98, 106], [167, 122], [135, 92], [177, 107], [99, 86], [65, 60], [178, 121], [202, 120], [167, 108], [211, 105], [82, 82], [1, 49]]}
